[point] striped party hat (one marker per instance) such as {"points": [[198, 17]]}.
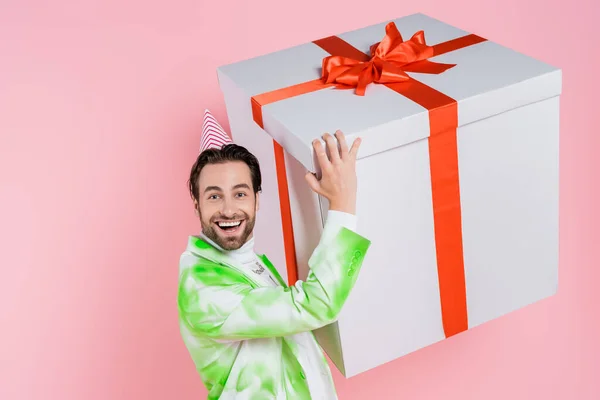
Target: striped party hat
{"points": [[213, 135]]}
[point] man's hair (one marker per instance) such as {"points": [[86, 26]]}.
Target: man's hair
{"points": [[229, 152]]}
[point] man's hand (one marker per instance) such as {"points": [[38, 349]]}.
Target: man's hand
{"points": [[338, 180]]}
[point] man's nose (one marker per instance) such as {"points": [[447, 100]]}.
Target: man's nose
{"points": [[228, 209]]}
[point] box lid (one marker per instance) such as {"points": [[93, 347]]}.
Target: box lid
{"points": [[486, 79]]}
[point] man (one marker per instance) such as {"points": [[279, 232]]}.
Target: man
{"points": [[249, 335]]}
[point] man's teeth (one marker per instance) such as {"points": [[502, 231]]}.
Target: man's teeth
{"points": [[229, 224]]}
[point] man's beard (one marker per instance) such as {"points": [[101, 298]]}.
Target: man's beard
{"points": [[228, 243]]}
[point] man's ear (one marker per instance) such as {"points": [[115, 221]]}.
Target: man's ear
{"points": [[196, 211], [257, 201]]}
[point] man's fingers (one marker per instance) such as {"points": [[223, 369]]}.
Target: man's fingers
{"points": [[313, 182], [354, 148], [334, 153], [321, 154], [343, 144]]}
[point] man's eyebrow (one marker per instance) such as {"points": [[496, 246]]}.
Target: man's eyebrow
{"points": [[218, 189], [209, 188], [240, 186]]}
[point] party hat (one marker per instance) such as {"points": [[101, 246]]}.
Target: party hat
{"points": [[213, 134]]}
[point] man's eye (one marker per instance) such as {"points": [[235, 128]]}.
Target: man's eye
{"points": [[241, 194], [214, 197]]}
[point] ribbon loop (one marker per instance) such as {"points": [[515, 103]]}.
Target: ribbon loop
{"points": [[390, 60]]}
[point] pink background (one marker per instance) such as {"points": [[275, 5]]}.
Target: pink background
{"points": [[100, 112]]}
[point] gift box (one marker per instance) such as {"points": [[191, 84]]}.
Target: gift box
{"points": [[457, 176]]}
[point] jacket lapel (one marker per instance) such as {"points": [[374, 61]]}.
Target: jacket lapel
{"points": [[205, 250], [272, 269]]}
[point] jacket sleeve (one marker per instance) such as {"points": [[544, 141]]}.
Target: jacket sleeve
{"points": [[214, 302]]}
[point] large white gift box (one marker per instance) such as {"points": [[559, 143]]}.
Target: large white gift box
{"points": [[457, 174]]}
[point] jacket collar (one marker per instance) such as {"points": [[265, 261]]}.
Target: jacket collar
{"points": [[201, 248]]}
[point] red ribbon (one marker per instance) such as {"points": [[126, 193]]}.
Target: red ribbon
{"points": [[390, 60]]}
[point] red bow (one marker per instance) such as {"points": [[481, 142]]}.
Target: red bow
{"points": [[390, 60]]}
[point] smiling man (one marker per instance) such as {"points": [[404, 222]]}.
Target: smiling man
{"points": [[250, 335]]}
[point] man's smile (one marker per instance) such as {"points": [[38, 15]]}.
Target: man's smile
{"points": [[230, 227]]}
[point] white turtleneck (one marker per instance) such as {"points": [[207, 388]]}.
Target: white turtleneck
{"points": [[246, 256]]}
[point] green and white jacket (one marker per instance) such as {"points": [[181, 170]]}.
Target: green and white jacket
{"points": [[250, 339]]}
